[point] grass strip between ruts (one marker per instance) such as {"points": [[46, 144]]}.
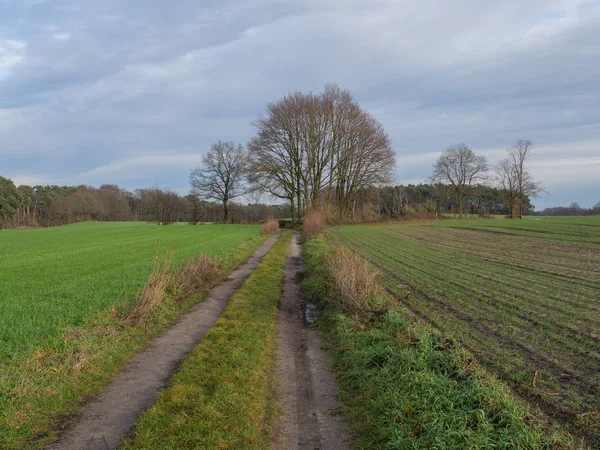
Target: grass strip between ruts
{"points": [[221, 397]]}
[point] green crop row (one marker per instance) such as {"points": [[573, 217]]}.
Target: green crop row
{"points": [[408, 386], [530, 315]]}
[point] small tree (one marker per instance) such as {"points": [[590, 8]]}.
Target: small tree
{"points": [[514, 179], [461, 168], [221, 176]]}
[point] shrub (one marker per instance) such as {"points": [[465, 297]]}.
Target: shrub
{"points": [[314, 223], [355, 286], [271, 226]]}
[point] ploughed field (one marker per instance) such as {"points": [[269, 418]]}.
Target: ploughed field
{"points": [[523, 296], [54, 278]]}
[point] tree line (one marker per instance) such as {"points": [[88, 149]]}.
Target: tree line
{"points": [[462, 169], [311, 152], [574, 209], [32, 206], [427, 200], [324, 152]]}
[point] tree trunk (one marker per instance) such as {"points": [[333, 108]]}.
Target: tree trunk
{"points": [[225, 212]]}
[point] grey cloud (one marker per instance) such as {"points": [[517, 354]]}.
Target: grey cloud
{"points": [[105, 83]]}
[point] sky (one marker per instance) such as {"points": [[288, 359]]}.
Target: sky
{"points": [[132, 93]]}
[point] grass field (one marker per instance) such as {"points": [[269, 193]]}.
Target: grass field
{"points": [[60, 339], [55, 277], [522, 295]]}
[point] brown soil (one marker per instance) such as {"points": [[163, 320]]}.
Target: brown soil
{"points": [[306, 389]]}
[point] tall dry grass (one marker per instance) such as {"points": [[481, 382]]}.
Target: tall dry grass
{"points": [[314, 223], [196, 275], [271, 226], [152, 293], [355, 285]]}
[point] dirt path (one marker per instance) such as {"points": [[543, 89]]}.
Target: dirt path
{"points": [[306, 389], [107, 419]]}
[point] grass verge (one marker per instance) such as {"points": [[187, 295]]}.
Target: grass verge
{"points": [[408, 387], [220, 398], [41, 392]]}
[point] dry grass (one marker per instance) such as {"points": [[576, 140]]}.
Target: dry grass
{"points": [[196, 275], [314, 223], [271, 226], [152, 293], [356, 287]]}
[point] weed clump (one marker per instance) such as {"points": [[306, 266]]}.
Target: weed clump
{"points": [[196, 275], [152, 294], [356, 287], [271, 226], [314, 223]]}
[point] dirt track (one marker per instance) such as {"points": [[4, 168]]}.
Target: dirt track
{"points": [[107, 419], [306, 390]]}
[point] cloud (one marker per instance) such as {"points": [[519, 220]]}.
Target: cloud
{"points": [[157, 163], [31, 180], [89, 87], [12, 53], [61, 36]]}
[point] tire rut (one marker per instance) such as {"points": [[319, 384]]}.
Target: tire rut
{"points": [[306, 390]]}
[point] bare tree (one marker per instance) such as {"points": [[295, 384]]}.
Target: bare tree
{"points": [[506, 179], [311, 148], [365, 159], [518, 155], [276, 152], [221, 176], [462, 168], [514, 180]]}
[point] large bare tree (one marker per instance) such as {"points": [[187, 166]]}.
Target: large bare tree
{"points": [[221, 175], [514, 179], [461, 168], [312, 149]]}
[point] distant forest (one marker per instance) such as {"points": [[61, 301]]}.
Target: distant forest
{"points": [[32, 206], [27, 206]]}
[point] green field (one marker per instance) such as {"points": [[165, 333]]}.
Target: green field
{"points": [[64, 293], [522, 295], [55, 277]]}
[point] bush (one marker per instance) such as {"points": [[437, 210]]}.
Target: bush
{"points": [[271, 226], [314, 223]]}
